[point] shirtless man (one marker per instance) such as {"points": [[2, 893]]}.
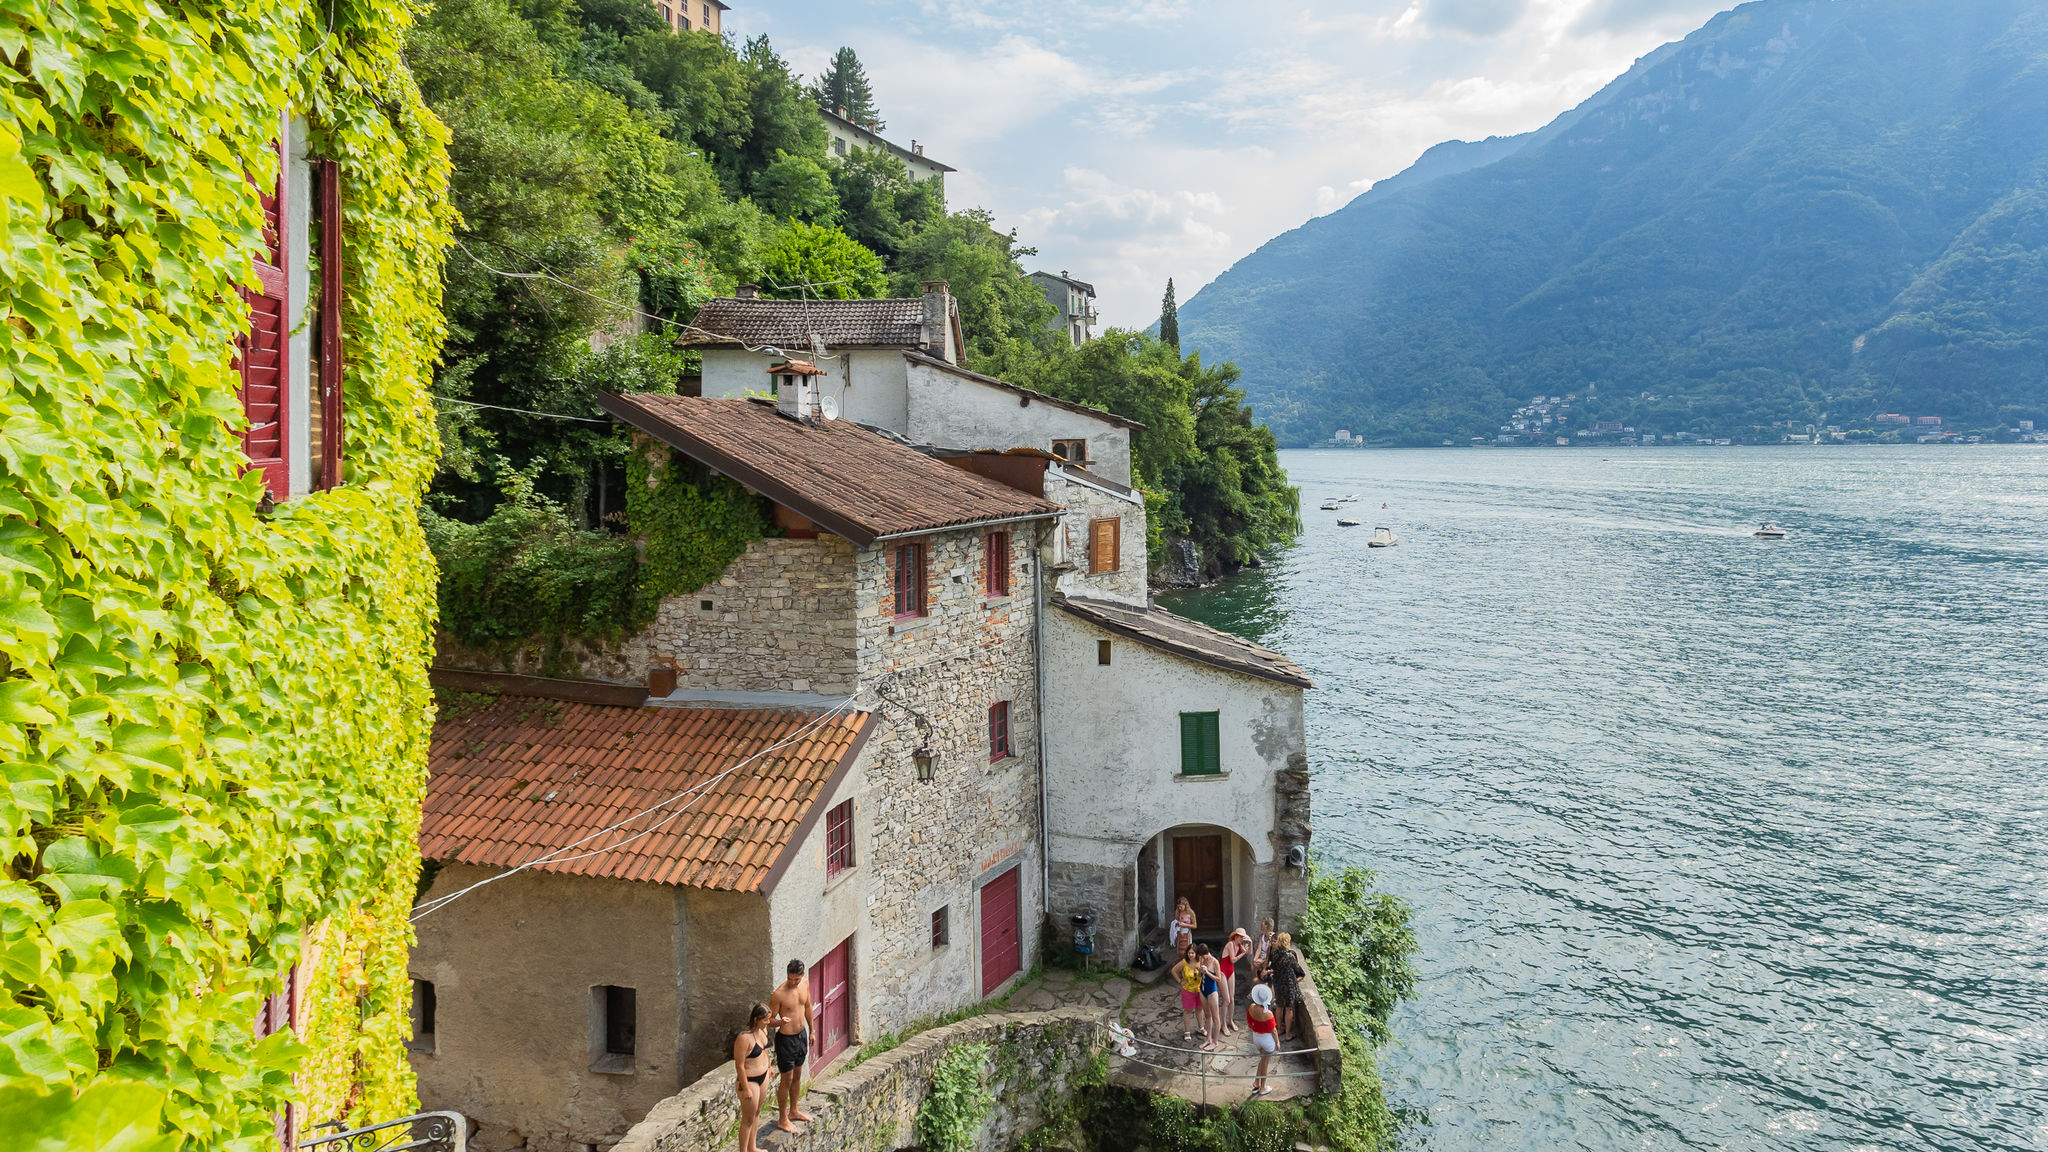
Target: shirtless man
{"points": [[791, 1003]]}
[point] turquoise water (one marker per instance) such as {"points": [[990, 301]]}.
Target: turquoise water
{"points": [[1714, 842]]}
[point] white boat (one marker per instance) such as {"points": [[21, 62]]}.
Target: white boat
{"points": [[1770, 532], [1350, 498], [1382, 538], [1330, 506], [1346, 522]]}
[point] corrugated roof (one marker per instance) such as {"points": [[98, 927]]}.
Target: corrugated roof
{"points": [[1161, 629], [841, 476], [526, 777], [788, 324]]}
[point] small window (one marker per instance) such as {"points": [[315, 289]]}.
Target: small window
{"points": [[1102, 652], [703, 605], [1104, 539], [998, 557], [838, 147], [1072, 451], [940, 931], [614, 1029], [422, 1016], [910, 580], [999, 731], [707, 15], [1201, 753], [839, 839]]}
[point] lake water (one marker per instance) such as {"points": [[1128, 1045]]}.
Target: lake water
{"points": [[1713, 842]]}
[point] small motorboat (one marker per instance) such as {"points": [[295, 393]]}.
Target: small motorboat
{"points": [[1346, 522], [1329, 506], [1382, 538], [1769, 532], [1350, 498]]}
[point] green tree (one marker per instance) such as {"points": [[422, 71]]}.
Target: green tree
{"points": [[880, 205], [1169, 319], [844, 88], [796, 188], [1003, 314], [812, 260]]}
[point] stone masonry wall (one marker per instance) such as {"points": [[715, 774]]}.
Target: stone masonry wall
{"points": [[781, 619], [874, 1106], [939, 841], [1086, 503]]}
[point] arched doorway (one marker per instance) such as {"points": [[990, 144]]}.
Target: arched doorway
{"points": [[1214, 868]]}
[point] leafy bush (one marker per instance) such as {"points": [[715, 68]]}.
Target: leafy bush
{"points": [[950, 1118], [814, 261], [528, 571], [1360, 944]]}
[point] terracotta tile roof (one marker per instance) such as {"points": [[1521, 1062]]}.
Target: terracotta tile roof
{"points": [[1103, 415], [526, 777], [839, 475], [789, 323], [1158, 628]]}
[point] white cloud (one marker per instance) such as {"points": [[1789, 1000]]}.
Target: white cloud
{"points": [[1144, 139]]}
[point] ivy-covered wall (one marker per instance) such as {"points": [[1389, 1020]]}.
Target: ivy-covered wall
{"points": [[213, 720]]}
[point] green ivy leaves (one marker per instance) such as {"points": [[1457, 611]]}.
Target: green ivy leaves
{"points": [[212, 725]]}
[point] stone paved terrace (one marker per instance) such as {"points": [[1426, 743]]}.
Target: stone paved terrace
{"points": [[1150, 1006]]}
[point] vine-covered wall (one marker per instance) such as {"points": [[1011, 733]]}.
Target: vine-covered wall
{"points": [[213, 719]]}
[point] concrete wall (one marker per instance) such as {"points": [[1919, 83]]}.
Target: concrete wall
{"points": [[1085, 503], [938, 842], [951, 411], [875, 1105], [1114, 782], [866, 383]]}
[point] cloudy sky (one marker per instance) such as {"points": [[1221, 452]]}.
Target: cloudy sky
{"points": [[1133, 140]]}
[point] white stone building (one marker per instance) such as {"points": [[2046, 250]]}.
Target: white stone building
{"points": [[894, 365], [845, 136], [1075, 301]]}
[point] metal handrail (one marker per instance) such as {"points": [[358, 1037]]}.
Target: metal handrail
{"points": [[443, 1132]]}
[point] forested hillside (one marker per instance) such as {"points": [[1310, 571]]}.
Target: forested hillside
{"points": [[611, 176], [1807, 211]]}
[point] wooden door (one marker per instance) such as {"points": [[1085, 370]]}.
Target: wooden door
{"points": [[1198, 875], [1002, 945], [832, 996]]}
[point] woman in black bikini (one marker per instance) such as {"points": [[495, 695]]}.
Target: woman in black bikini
{"points": [[750, 1059]]}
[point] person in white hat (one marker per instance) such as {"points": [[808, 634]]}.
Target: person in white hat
{"points": [[1260, 1019]]}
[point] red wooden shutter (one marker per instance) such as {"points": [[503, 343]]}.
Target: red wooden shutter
{"points": [[261, 353], [910, 580], [999, 730], [999, 563], [331, 410]]}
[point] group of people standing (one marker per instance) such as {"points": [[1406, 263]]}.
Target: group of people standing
{"points": [[1208, 987], [789, 1012]]}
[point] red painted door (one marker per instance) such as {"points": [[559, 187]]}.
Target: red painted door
{"points": [[1002, 945], [831, 993]]}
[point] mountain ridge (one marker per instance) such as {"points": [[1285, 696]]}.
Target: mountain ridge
{"points": [[1805, 211]]}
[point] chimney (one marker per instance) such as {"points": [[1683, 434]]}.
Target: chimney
{"points": [[747, 292], [916, 149], [935, 332], [661, 680], [796, 389]]}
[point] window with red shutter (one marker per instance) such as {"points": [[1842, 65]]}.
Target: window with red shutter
{"points": [[910, 580], [839, 839], [325, 417], [261, 356], [998, 563], [998, 731]]}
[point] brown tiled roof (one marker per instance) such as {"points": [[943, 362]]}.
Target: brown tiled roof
{"points": [[526, 777], [1158, 628], [788, 324], [1019, 390], [844, 478]]}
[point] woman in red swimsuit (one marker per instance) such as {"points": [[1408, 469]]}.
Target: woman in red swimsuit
{"points": [[1260, 1019], [1234, 950]]}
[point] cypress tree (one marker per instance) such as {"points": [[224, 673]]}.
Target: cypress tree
{"points": [[844, 88], [1169, 319]]}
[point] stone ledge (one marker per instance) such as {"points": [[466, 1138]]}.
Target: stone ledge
{"points": [[880, 1098]]}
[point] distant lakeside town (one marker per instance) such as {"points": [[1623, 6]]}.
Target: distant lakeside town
{"points": [[1547, 422]]}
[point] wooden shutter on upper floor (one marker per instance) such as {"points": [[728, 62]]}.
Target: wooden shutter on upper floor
{"points": [[1104, 538], [327, 431], [261, 353]]}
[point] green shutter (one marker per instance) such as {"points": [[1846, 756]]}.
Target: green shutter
{"points": [[1201, 748]]}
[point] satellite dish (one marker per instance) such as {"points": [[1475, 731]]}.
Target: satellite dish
{"points": [[828, 407]]}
